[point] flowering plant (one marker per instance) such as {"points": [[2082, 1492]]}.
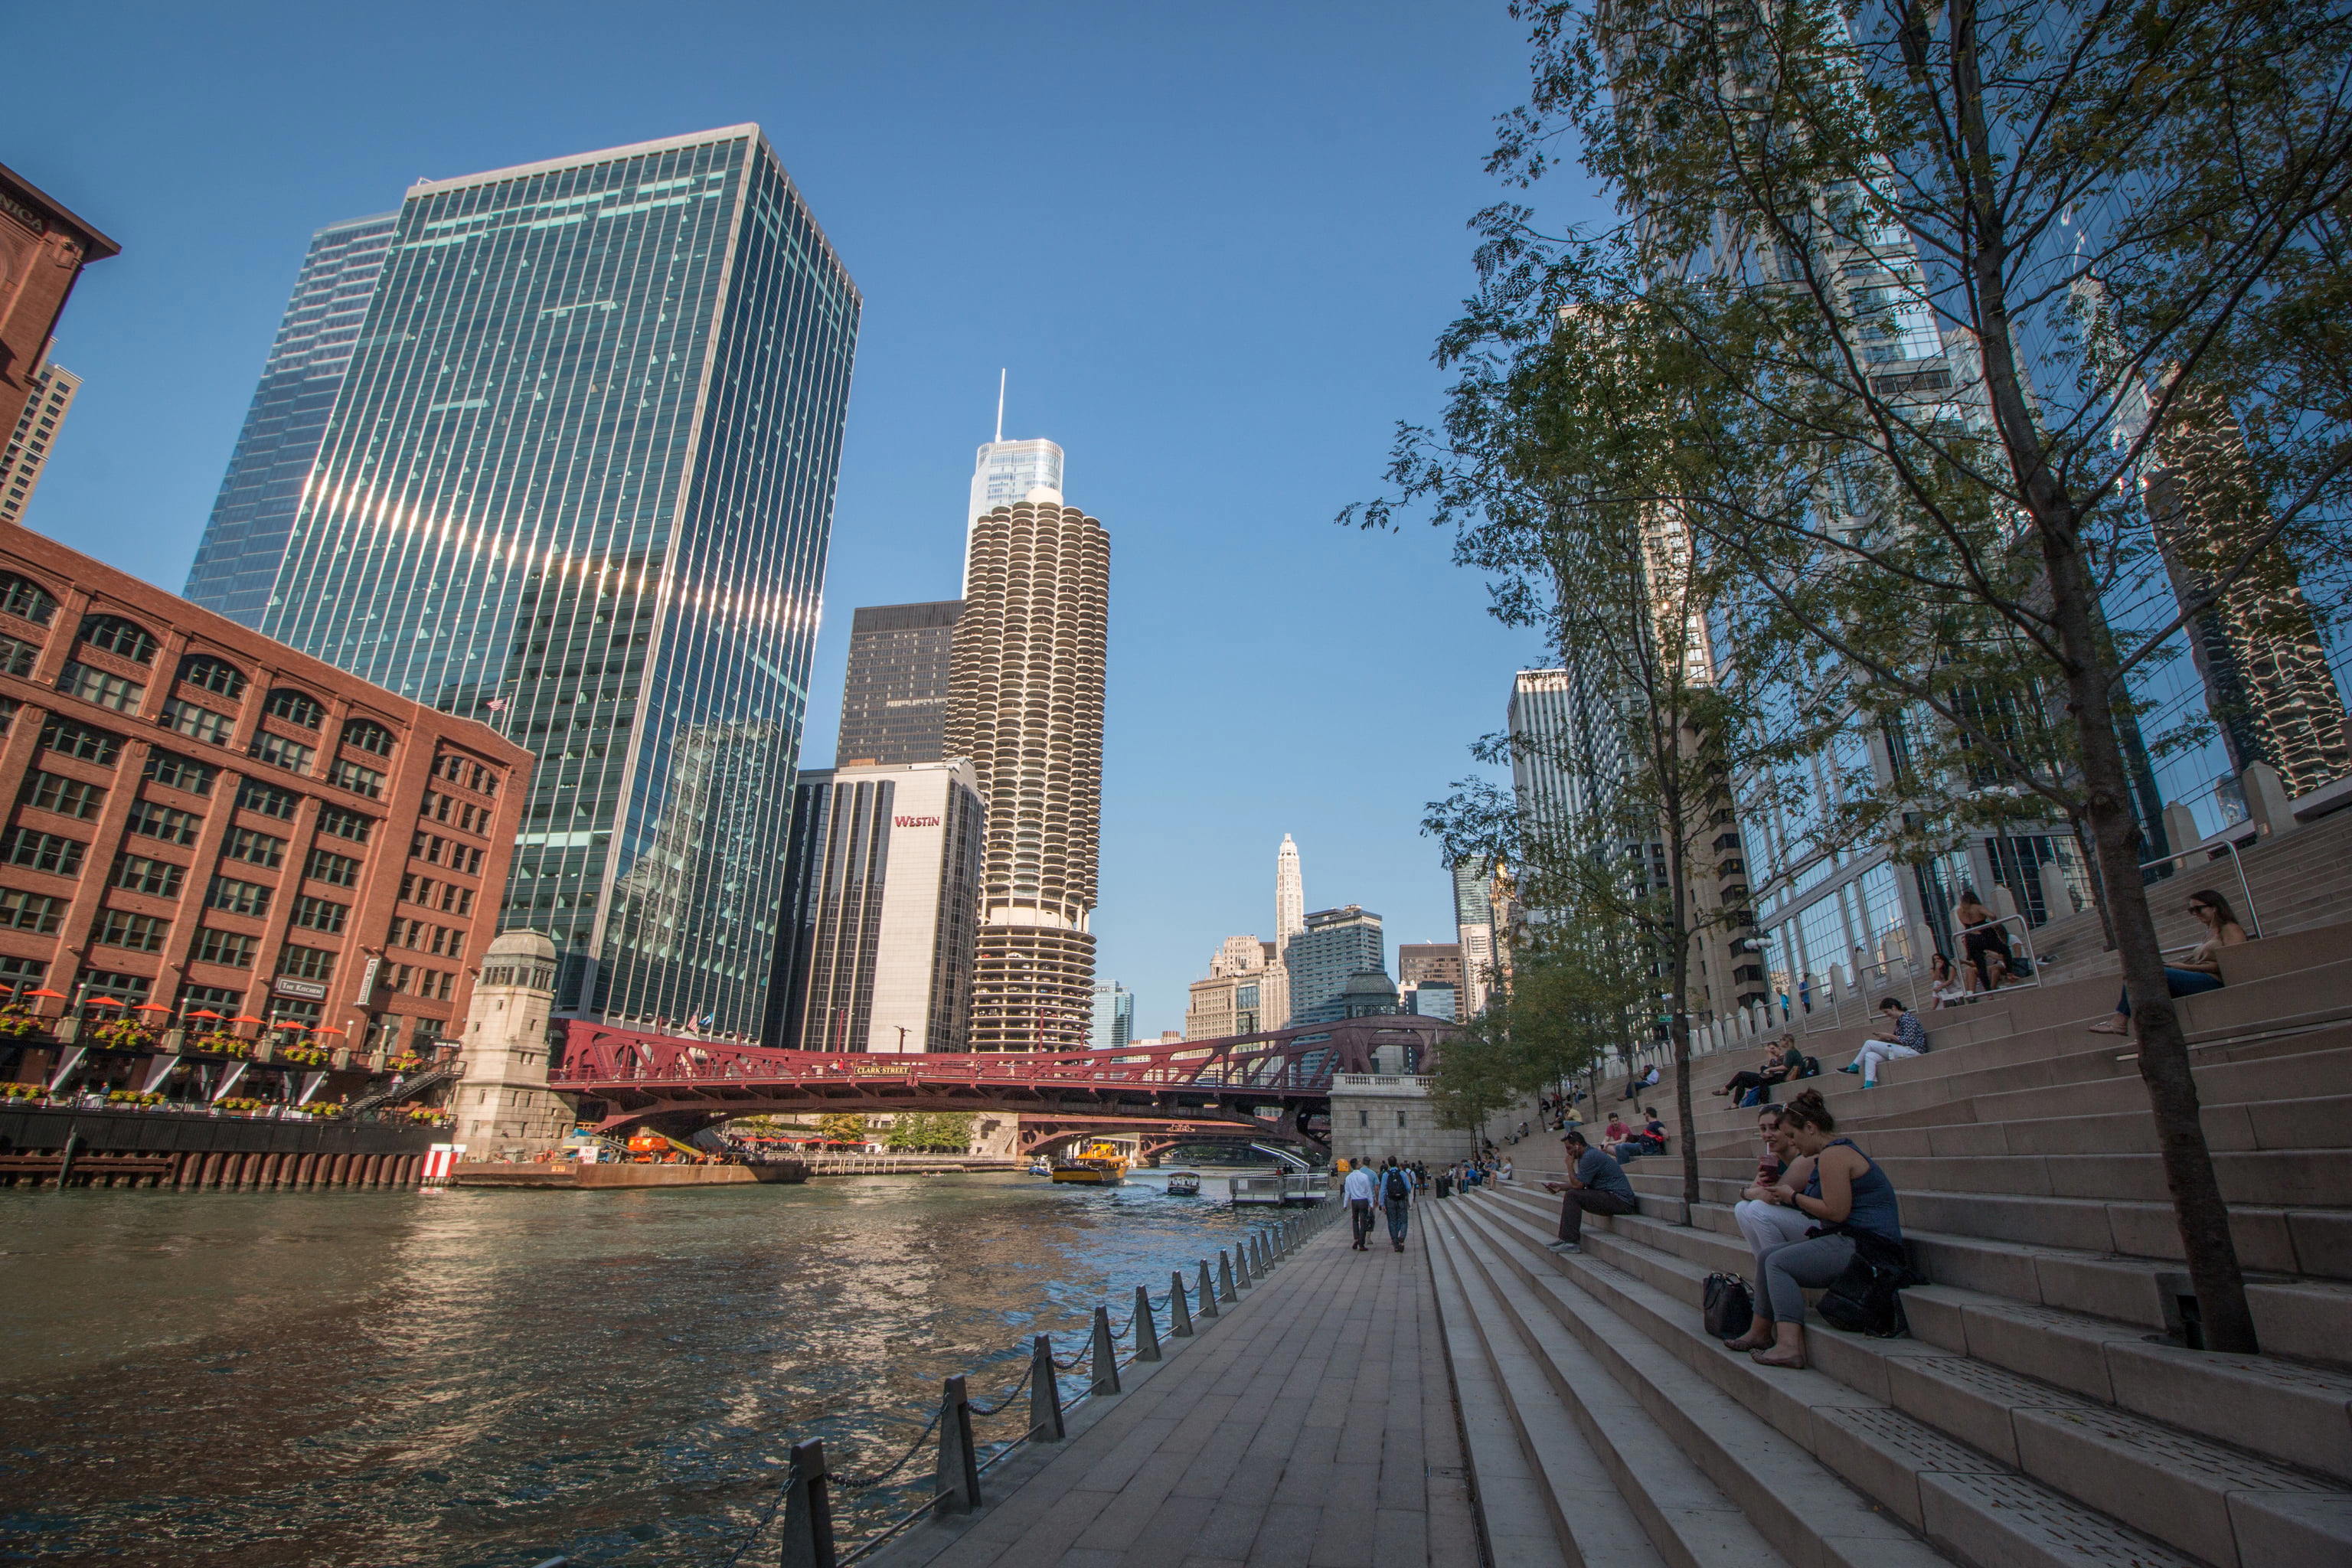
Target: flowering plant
{"points": [[419, 1113], [304, 1056], [241, 1104], [123, 1034], [16, 1022], [131, 1096], [220, 1045], [406, 1061], [23, 1091], [321, 1108]]}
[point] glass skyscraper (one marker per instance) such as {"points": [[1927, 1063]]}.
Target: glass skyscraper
{"points": [[246, 539], [579, 482]]}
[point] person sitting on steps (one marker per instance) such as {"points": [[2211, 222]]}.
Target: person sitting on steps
{"points": [[1776, 1068], [1596, 1184], [1764, 1223], [1905, 1039], [2200, 971], [1944, 983], [1984, 940], [1843, 1195]]}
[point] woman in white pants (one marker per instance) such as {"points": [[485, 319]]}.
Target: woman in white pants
{"points": [[1765, 1223]]}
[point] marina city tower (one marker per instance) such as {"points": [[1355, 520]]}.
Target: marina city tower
{"points": [[578, 482], [1026, 705]]}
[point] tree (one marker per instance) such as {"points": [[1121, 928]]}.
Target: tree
{"points": [[842, 1127], [921, 1130], [1976, 280]]}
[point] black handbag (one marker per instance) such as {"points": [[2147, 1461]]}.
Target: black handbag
{"points": [[1726, 1307]]}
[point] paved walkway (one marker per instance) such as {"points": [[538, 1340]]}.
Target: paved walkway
{"points": [[1312, 1426]]}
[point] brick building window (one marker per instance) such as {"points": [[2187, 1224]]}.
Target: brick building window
{"points": [[368, 736], [26, 600], [80, 681], [197, 723], [281, 753], [139, 933], [254, 849], [80, 741], [226, 947], [237, 898], [336, 871], [142, 874], [296, 708], [320, 914], [268, 799], [21, 910], [174, 770], [67, 797], [124, 639], [306, 962], [352, 824], [347, 774], [215, 675], [164, 822], [16, 657]]}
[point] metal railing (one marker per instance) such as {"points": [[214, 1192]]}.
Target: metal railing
{"points": [[804, 1500]]}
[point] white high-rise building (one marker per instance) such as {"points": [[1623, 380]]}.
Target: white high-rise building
{"points": [[1005, 474], [28, 451], [1289, 920]]}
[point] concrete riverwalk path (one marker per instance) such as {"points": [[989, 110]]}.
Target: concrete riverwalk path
{"points": [[1312, 1425]]}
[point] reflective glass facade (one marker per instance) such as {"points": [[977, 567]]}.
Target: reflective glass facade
{"points": [[246, 538], [579, 482]]}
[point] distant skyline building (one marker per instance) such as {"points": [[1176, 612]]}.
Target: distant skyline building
{"points": [[1002, 474], [1337, 945], [578, 481], [1432, 999], [1429, 961], [1113, 1020], [245, 541], [894, 699], [1474, 927], [34, 439], [881, 898], [1026, 707], [1231, 1000], [1289, 920]]}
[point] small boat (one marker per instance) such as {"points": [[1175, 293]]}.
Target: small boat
{"points": [[1183, 1184], [1040, 1168], [1097, 1164]]}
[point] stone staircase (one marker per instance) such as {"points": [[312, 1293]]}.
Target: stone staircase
{"points": [[2046, 1411]]}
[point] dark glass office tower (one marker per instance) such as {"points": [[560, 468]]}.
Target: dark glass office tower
{"points": [[579, 482], [246, 539], [894, 702]]}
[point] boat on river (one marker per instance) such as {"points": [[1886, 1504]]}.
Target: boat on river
{"points": [[1183, 1184], [1097, 1164]]}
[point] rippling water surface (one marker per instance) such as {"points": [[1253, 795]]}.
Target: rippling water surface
{"points": [[480, 1378]]}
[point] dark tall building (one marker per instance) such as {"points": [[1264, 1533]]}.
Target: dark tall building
{"points": [[894, 704]]}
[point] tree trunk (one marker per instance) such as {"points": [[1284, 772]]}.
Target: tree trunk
{"points": [[2163, 1065]]}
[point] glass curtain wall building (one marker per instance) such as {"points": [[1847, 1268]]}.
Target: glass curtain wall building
{"points": [[246, 538], [894, 699], [579, 481]]}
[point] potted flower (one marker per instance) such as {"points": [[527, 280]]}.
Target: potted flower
{"points": [[404, 1061], [131, 1096], [123, 1035], [304, 1056], [220, 1045], [242, 1104], [321, 1108], [419, 1113], [18, 1022], [23, 1091]]}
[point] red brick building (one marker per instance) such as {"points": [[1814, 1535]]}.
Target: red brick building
{"points": [[201, 819], [42, 249]]}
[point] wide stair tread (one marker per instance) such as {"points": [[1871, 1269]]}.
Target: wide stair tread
{"points": [[1972, 1508], [2047, 1398], [1668, 1456]]}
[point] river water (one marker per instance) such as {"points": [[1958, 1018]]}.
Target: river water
{"points": [[447, 1379]]}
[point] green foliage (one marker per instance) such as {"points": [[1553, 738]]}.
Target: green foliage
{"points": [[942, 1131], [1570, 1000], [842, 1127]]}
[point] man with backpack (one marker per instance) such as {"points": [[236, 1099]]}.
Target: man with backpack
{"points": [[1396, 1199]]}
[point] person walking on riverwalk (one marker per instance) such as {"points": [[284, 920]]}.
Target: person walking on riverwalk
{"points": [[1396, 1200], [1596, 1184], [1360, 1195]]}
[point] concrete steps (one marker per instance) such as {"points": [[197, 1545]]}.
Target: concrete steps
{"points": [[1704, 1478], [1992, 1443]]}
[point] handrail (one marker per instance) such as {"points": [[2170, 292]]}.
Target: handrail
{"points": [[2253, 922]]}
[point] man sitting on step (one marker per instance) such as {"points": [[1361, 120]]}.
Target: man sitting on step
{"points": [[1596, 1184], [1906, 1038]]}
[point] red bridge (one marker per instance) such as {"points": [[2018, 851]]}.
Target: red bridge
{"points": [[1275, 1085]]}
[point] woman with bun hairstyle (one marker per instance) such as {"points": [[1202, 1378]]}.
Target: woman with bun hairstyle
{"points": [[1844, 1194]]}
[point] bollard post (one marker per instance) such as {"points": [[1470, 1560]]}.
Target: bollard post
{"points": [[1106, 1368], [808, 1509], [1242, 1279], [1209, 1291], [1147, 1332], [1259, 1263], [1180, 1318], [1045, 1393], [65, 1162], [956, 1482], [1224, 1276]]}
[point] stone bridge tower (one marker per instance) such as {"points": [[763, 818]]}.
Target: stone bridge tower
{"points": [[503, 1103]]}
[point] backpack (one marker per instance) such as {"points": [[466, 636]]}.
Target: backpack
{"points": [[1867, 1297], [1399, 1190], [1727, 1307]]}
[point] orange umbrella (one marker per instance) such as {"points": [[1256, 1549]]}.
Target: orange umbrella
{"points": [[45, 991], [329, 1029], [103, 1002], [150, 1008], [290, 1024], [245, 1019], [206, 1013]]}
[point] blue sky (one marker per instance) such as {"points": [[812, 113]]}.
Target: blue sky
{"points": [[1212, 243]]}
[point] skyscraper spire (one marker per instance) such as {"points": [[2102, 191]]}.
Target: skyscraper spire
{"points": [[1000, 404]]}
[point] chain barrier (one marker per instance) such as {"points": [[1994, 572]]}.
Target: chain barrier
{"points": [[1272, 1253]]}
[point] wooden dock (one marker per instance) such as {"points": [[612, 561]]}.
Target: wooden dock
{"points": [[1312, 1425]]}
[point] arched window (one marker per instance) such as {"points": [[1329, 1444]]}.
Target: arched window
{"points": [[368, 736], [116, 636], [23, 597], [297, 707], [212, 673]]}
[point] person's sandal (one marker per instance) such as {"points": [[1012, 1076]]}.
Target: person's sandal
{"points": [[2107, 1026]]}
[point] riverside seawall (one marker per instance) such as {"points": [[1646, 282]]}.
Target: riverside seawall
{"points": [[184, 1149]]}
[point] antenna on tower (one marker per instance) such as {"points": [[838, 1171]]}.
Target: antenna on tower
{"points": [[1000, 405]]}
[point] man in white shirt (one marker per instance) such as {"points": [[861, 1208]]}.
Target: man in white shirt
{"points": [[1361, 1191]]}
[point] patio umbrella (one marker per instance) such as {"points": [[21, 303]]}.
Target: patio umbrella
{"points": [[206, 1013], [102, 1002], [327, 1029], [245, 1019], [45, 991], [150, 1008]]}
